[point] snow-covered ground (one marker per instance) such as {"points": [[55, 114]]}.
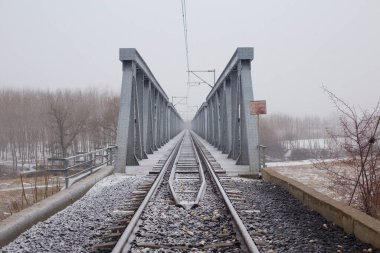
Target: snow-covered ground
{"points": [[296, 163], [306, 173], [321, 143], [28, 166], [289, 163]]}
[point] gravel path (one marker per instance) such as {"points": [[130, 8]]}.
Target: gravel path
{"points": [[78, 227], [280, 223]]}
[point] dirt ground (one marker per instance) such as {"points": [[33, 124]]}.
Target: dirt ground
{"points": [[15, 196]]}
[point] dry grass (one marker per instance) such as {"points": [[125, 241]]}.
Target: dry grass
{"points": [[19, 191]]}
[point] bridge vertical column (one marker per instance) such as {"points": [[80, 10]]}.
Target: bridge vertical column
{"points": [[235, 120], [157, 141], [222, 113], [155, 120], [140, 150], [147, 127], [218, 119], [200, 123], [249, 128], [205, 124], [125, 128], [165, 122], [161, 118], [169, 122], [228, 116], [209, 121], [213, 121]]}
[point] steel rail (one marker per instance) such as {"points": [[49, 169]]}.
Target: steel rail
{"points": [[202, 189], [171, 178], [250, 246], [188, 204], [126, 237]]}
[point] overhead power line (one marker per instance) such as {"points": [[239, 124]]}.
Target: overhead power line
{"points": [[184, 19]]}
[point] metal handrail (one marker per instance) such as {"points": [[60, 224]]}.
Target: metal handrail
{"points": [[90, 162], [91, 152]]}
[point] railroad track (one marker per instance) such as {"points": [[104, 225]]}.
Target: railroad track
{"points": [[187, 182], [186, 209]]}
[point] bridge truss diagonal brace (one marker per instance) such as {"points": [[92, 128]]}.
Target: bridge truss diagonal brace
{"points": [[147, 120], [224, 120]]}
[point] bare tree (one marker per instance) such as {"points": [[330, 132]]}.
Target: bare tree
{"points": [[356, 155], [37, 124], [68, 116], [108, 119]]}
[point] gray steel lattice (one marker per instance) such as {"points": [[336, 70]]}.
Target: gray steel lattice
{"points": [[147, 120], [224, 120]]}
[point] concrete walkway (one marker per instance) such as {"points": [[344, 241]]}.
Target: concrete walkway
{"points": [[227, 164], [146, 165]]}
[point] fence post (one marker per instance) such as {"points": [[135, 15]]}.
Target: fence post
{"points": [[262, 156], [108, 155], [91, 162], [66, 173]]}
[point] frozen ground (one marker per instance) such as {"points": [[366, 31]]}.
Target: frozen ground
{"points": [[306, 173]]}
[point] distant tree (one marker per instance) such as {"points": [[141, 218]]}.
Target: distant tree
{"points": [[108, 119], [269, 137], [37, 124], [355, 151], [67, 116]]}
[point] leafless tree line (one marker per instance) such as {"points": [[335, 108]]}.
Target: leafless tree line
{"points": [[38, 124], [280, 132]]}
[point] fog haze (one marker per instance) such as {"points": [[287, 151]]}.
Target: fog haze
{"points": [[298, 46]]}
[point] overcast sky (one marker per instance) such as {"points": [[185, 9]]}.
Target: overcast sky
{"points": [[298, 46]]}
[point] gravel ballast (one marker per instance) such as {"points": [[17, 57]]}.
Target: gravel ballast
{"points": [[275, 220], [280, 223], [168, 228], [78, 227]]}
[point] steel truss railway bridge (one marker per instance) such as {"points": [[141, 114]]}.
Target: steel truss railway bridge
{"points": [[188, 202], [148, 120]]}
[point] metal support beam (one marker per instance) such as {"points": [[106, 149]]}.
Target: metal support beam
{"points": [[144, 123], [225, 120]]}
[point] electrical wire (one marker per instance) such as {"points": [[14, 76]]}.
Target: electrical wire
{"points": [[184, 19]]}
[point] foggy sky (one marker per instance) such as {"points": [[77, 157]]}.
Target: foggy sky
{"points": [[298, 46]]}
